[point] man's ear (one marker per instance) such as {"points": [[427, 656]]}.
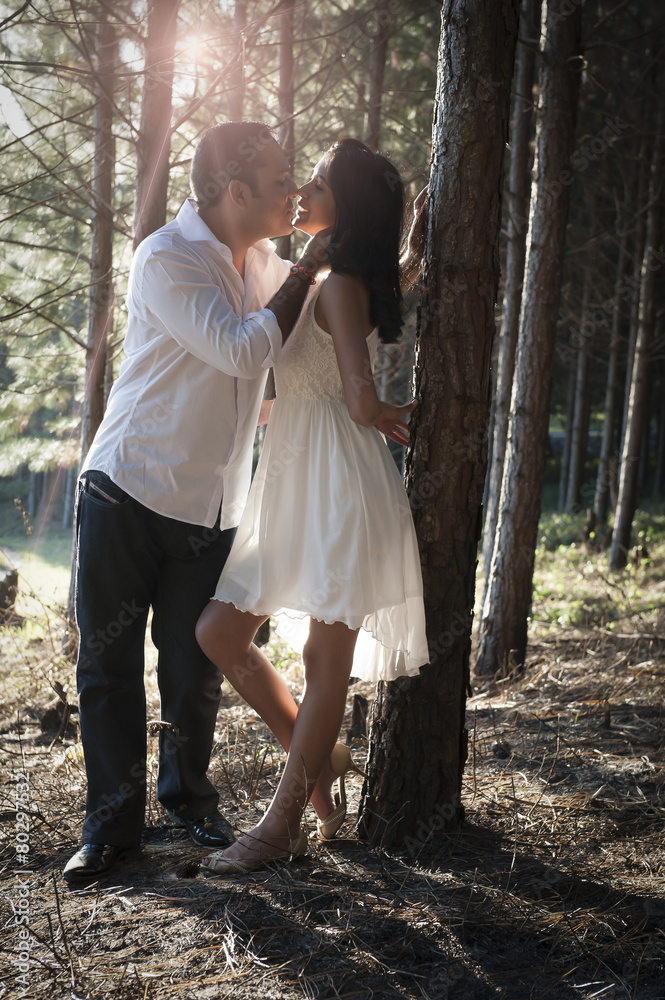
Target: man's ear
{"points": [[239, 193]]}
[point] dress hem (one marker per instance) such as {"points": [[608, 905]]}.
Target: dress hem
{"points": [[298, 616]]}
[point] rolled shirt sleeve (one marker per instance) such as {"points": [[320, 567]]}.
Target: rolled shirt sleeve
{"points": [[178, 293]]}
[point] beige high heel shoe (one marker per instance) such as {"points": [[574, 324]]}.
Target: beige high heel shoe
{"points": [[342, 762], [218, 864]]}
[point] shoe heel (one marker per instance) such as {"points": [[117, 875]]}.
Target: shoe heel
{"points": [[342, 763]]}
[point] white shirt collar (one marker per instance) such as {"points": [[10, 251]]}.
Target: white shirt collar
{"points": [[195, 230]]}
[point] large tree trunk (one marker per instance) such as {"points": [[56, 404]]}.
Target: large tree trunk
{"points": [[154, 141], [503, 626], [377, 67], [516, 212], [100, 309], [637, 403], [601, 500], [418, 740], [286, 101]]}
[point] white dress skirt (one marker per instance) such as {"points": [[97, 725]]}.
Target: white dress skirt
{"points": [[327, 532]]}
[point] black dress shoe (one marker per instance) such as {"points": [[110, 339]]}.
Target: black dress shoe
{"points": [[93, 860], [209, 831]]}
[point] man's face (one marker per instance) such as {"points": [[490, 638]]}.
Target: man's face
{"points": [[271, 209]]}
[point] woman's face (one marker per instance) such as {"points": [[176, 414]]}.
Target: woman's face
{"points": [[316, 205]]}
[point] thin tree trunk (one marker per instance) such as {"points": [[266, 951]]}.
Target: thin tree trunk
{"points": [[516, 212], [601, 499], [567, 439], [503, 627], [578, 437], [637, 403], [100, 309], [635, 280], [377, 67], [660, 453], [32, 495], [286, 101], [154, 141], [643, 466], [414, 784], [236, 96], [68, 503]]}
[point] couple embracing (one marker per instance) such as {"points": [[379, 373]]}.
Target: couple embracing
{"points": [[166, 518]]}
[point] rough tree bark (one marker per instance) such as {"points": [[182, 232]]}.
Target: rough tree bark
{"points": [[516, 212], [377, 67], [503, 626], [637, 403], [154, 139], [418, 739]]}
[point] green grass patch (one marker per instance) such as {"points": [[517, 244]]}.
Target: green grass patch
{"points": [[44, 566], [573, 585]]}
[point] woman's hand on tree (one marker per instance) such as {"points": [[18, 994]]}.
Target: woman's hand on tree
{"points": [[418, 231], [392, 421], [411, 262]]}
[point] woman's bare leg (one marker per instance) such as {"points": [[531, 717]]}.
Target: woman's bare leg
{"points": [[225, 634], [328, 656]]}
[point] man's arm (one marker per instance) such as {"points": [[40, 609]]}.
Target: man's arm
{"points": [[288, 301], [180, 298]]}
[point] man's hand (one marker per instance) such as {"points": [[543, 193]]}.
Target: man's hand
{"points": [[315, 254], [287, 302], [392, 421]]}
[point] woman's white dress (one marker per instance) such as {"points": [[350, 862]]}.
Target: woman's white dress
{"points": [[327, 531]]}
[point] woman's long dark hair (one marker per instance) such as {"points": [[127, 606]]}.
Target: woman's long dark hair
{"points": [[365, 242]]}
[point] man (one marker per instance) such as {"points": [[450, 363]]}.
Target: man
{"points": [[166, 479]]}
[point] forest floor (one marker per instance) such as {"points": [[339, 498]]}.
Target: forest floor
{"points": [[554, 888]]}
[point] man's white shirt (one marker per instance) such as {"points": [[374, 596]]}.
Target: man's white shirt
{"points": [[179, 428]]}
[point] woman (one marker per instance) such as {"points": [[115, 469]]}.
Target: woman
{"points": [[326, 542]]}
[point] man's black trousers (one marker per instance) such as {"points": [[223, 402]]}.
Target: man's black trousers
{"points": [[130, 559]]}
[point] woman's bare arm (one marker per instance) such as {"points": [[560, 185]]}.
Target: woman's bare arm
{"points": [[344, 311]]}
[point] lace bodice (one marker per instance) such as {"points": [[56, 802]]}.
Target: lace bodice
{"points": [[307, 364]]}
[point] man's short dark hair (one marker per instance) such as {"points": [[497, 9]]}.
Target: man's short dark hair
{"points": [[226, 152]]}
